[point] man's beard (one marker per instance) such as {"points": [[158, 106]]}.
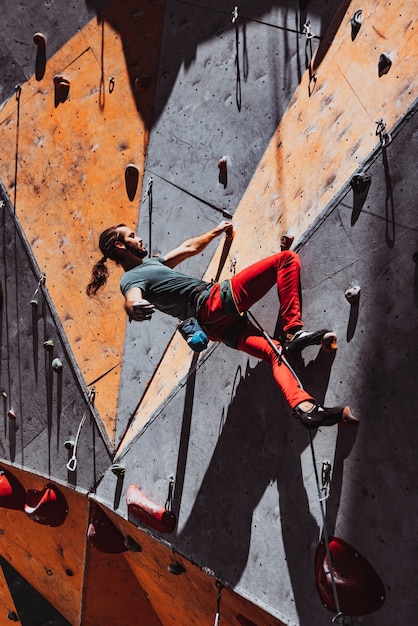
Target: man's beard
{"points": [[133, 249]]}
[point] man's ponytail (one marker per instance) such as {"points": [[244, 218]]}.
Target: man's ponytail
{"points": [[100, 272]]}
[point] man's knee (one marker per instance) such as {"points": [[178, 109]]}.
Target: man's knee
{"points": [[289, 257]]}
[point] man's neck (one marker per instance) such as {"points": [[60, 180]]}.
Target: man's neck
{"points": [[131, 262]]}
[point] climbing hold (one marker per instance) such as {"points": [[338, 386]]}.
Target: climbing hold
{"points": [[223, 171], [360, 182], [353, 294], [286, 242], [12, 616], [329, 342], [61, 82], [359, 588], [131, 544], [12, 493], [222, 164], [176, 568], [69, 444], [56, 365], [34, 303], [131, 180], [355, 23], [118, 470], [11, 414], [384, 64], [47, 507], [5, 487], [102, 534], [148, 512], [49, 345], [62, 88], [39, 40]]}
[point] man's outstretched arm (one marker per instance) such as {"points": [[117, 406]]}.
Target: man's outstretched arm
{"points": [[193, 246]]}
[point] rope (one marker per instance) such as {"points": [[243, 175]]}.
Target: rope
{"points": [[224, 212], [279, 351], [325, 535], [148, 194], [72, 462]]}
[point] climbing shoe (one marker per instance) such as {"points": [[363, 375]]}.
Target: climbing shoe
{"points": [[324, 416], [303, 338]]}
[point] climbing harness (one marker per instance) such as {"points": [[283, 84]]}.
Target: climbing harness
{"points": [[72, 463], [324, 488]]}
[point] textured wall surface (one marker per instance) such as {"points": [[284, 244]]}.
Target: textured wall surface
{"points": [[291, 95]]}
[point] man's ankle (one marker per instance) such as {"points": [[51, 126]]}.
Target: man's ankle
{"points": [[305, 406], [291, 332]]}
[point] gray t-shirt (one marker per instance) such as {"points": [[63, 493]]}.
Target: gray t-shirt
{"points": [[168, 290]]}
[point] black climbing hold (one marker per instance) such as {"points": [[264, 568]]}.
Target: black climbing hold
{"points": [[384, 64], [131, 544], [360, 182], [176, 568], [355, 24], [131, 180], [62, 88]]}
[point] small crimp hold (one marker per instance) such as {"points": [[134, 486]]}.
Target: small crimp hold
{"points": [[286, 242], [39, 40], [384, 64]]}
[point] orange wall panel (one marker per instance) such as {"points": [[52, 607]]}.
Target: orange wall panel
{"points": [[70, 161]]}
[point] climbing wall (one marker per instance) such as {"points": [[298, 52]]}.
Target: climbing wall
{"points": [[123, 112]]}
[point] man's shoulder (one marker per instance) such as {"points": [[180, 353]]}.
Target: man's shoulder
{"points": [[144, 269], [146, 264]]}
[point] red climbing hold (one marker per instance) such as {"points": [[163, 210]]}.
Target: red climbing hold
{"points": [[47, 507], [148, 512], [12, 493], [359, 588]]}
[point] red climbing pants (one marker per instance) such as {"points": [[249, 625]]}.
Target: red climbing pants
{"points": [[249, 286]]}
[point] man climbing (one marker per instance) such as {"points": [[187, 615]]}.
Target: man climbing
{"points": [[219, 308]]}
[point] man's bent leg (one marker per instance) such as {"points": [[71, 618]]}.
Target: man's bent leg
{"points": [[254, 343], [310, 414], [281, 269]]}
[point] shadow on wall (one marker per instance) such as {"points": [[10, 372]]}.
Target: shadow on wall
{"points": [[140, 25], [257, 447]]}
